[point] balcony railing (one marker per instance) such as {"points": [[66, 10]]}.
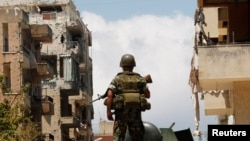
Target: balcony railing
{"points": [[50, 84], [81, 99], [41, 32], [70, 122], [47, 107], [45, 70], [73, 45], [75, 26]]}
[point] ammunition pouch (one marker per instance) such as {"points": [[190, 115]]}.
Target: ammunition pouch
{"points": [[130, 100], [117, 102], [145, 105]]}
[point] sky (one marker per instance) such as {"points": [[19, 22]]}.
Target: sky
{"points": [[160, 34]]}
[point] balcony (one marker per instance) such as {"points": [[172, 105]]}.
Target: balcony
{"points": [[202, 3], [79, 99], [85, 128], [44, 69], [74, 26], [47, 108], [67, 85], [226, 68], [49, 84], [221, 66], [41, 32], [70, 122], [83, 68], [84, 131], [218, 102], [74, 47], [71, 24]]}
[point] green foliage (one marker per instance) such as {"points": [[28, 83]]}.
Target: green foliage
{"points": [[25, 88], [3, 86], [9, 120], [15, 121]]}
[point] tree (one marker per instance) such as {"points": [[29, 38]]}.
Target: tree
{"points": [[16, 121]]}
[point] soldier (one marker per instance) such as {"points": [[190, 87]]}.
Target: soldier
{"points": [[127, 95]]}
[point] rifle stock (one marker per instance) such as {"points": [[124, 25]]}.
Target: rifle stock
{"points": [[147, 78]]}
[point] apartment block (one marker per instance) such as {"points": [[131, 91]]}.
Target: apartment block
{"points": [[46, 43], [224, 65]]}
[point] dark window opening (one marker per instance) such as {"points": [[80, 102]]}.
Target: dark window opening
{"points": [[5, 45], [50, 8], [224, 24], [84, 114], [224, 37], [5, 37], [7, 76], [61, 67]]}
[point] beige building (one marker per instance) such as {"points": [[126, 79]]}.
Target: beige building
{"points": [[222, 60], [106, 131], [46, 44]]}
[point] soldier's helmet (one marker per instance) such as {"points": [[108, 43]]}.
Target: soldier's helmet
{"points": [[127, 60]]}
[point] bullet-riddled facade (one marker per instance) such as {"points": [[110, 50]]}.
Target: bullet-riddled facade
{"points": [[47, 44]]}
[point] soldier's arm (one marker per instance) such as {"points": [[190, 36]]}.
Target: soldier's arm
{"points": [[109, 104]]}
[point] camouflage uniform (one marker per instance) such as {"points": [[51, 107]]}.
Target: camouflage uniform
{"points": [[128, 118]]}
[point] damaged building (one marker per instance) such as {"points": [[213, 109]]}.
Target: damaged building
{"points": [[46, 44], [220, 64]]}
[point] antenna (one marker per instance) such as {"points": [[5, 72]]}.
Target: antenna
{"points": [[100, 115]]}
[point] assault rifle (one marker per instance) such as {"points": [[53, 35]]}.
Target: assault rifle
{"points": [[147, 78]]}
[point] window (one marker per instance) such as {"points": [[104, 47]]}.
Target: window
{"points": [[7, 75], [6, 81], [49, 15], [5, 45], [5, 37]]}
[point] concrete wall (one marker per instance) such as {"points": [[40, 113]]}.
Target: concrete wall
{"points": [[226, 68], [218, 102], [212, 22], [106, 127], [220, 66], [241, 102]]}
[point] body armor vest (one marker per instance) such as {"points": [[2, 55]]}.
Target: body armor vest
{"points": [[129, 92], [128, 89]]}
